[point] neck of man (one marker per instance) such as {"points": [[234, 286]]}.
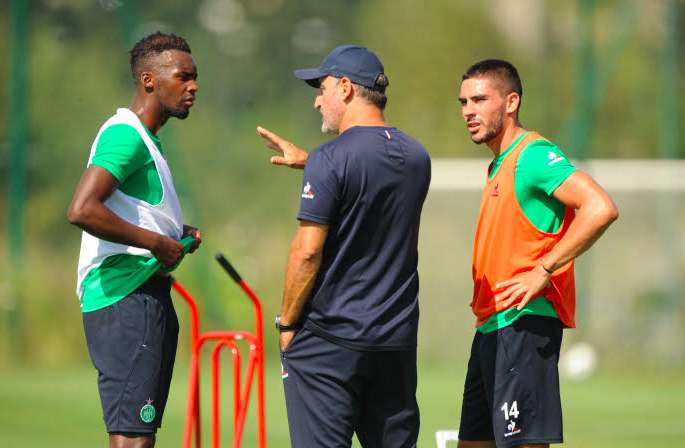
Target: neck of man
{"points": [[362, 115], [149, 111], [511, 130]]}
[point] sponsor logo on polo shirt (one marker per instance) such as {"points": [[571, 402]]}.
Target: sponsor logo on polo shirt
{"points": [[307, 192]]}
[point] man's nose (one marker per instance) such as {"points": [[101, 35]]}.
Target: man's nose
{"points": [[466, 111]]}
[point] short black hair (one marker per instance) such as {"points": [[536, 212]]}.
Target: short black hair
{"points": [[497, 68], [152, 45]]}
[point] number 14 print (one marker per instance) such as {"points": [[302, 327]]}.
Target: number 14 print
{"points": [[510, 411]]}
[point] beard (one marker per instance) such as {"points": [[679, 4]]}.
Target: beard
{"points": [[326, 128], [179, 112], [329, 126], [492, 131], [330, 120]]}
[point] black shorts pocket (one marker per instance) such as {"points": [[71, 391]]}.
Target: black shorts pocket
{"points": [[298, 336]]}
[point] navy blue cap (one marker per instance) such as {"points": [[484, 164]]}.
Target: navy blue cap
{"points": [[359, 64]]}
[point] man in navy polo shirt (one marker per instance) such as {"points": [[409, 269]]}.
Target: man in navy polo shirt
{"points": [[350, 310]]}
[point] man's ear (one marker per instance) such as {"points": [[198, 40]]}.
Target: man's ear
{"points": [[513, 102], [147, 80], [346, 88]]}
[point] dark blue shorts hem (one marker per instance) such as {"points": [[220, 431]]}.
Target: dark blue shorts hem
{"points": [[532, 441], [133, 430]]}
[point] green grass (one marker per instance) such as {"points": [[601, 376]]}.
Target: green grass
{"points": [[60, 408]]}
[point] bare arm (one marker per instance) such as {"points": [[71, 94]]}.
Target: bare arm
{"points": [[595, 211], [290, 154], [304, 262], [87, 211]]}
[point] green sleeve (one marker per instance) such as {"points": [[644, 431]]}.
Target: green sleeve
{"points": [[121, 151], [543, 166]]}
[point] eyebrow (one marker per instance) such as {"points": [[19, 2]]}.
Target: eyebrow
{"points": [[473, 97]]}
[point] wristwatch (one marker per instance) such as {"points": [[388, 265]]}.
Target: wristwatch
{"points": [[285, 328]]}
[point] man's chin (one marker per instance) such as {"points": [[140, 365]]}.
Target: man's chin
{"points": [[478, 139], [485, 137], [182, 115], [326, 129]]}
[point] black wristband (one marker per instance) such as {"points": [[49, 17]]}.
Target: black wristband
{"points": [[282, 328], [542, 265]]}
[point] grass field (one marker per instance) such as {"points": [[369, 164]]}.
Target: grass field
{"points": [[60, 408]]}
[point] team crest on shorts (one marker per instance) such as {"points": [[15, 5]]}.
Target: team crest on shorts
{"points": [[148, 412], [284, 373]]}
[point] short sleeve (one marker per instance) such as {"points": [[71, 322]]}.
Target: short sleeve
{"points": [[121, 151], [319, 196], [544, 166]]}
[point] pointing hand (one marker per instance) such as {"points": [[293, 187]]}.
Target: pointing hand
{"points": [[290, 154]]}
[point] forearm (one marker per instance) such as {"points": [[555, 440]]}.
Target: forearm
{"points": [[590, 222], [98, 220], [301, 273]]}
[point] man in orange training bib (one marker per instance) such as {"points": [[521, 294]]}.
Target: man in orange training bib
{"points": [[538, 213]]}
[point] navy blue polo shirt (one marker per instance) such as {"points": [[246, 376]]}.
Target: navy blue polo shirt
{"points": [[368, 185]]}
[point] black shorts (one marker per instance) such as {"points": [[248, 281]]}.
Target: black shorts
{"points": [[511, 393], [333, 391], [132, 344]]}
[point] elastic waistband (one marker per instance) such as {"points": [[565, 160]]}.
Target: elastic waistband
{"points": [[157, 286], [354, 345]]}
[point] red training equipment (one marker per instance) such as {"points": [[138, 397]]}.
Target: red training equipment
{"points": [[255, 365]]}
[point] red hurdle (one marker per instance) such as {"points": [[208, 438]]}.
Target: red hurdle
{"points": [[241, 390]]}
